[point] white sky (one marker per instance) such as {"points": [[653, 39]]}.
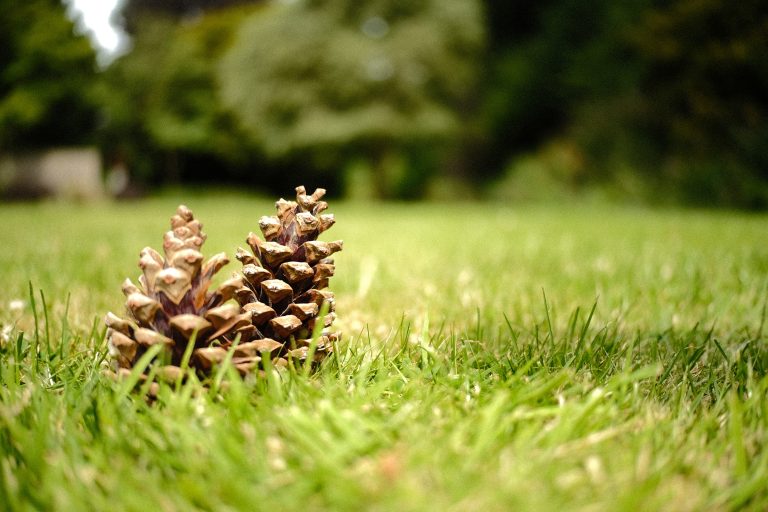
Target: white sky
{"points": [[94, 16]]}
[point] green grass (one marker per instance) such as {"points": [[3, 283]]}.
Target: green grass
{"points": [[494, 358]]}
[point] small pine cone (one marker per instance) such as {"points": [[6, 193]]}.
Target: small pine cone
{"points": [[285, 277], [173, 302]]}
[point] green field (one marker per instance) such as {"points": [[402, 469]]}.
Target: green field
{"points": [[495, 357]]}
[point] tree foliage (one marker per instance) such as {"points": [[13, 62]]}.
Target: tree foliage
{"points": [[328, 78], [161, 98], [671, 91], [557, 57], [46, 77], [705, 102]]}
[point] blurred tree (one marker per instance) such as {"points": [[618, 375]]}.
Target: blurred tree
{"points": [[184, 113], [670, 91], [548, 58], [46, 73], [705, 103], [343, 79], [126, 89], [164, 114]]}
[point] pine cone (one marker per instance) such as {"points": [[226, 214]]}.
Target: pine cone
{"points": [[173, 302], [285, 279]]}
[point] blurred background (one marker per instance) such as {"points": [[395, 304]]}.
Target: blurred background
{"points": [[646, 101]]}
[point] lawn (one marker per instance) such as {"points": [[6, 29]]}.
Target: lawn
{"points": [[495, 357]]}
